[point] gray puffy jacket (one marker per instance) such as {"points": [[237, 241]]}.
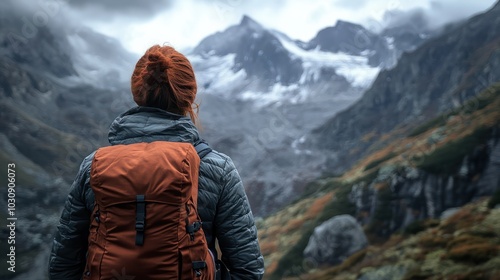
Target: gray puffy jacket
{"points": [[222, 202]]}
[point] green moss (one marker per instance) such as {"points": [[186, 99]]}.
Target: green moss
{"points": [[339, 205], [345, 266], [416, 274], [420, 225], [472, 253], [436, 122], [415, 227], [466, 239], [432, 241], [379, 161], [491, 223], [494, 200], [448, 158], [484, 99], [474, 104], [291, 263], [368, 178], [435, 256], [317, 187]]}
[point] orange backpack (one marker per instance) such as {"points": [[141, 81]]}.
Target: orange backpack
{"points": [[145, 224]]}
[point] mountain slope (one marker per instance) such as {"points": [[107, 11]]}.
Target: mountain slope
{"points": [[465, 245], [441, 74], [446, 163], [354, 39], [51, 83]]}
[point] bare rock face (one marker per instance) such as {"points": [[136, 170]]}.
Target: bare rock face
{"points": [[416, 194], [335, 240]]}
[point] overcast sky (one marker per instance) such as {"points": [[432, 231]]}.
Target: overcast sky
{"points": [[182, 24]]}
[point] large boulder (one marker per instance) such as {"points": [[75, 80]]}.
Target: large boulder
{"points": [[335, 240]]}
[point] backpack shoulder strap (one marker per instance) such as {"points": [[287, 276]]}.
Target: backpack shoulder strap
{"points": [[203, 149]]}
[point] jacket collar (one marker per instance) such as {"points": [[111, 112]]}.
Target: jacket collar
{"points": [[147, 124]]}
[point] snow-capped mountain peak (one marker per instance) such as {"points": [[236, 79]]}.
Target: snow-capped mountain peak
{"points": [[267, 66], [250, 23], [250, 62]]}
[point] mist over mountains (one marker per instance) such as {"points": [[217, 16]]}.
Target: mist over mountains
{"points": [[288, 87], [286, 111]]}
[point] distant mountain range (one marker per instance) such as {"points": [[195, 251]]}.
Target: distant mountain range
{"points": [[289, 88], [271, 57]]}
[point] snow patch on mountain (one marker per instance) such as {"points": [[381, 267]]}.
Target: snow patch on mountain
{"points": [[276, 94], [216, 73], [354, 68]]}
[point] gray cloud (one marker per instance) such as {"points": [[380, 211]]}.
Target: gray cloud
{"points": [[351, 4], [445, 10], [439, 13], [110, 8], [185, 23], [416, 19]]}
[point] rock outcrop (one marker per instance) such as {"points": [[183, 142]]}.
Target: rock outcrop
{"points": [[411, 194], [335, 240]]}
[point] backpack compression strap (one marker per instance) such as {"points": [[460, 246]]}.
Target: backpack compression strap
{"points": [[140, 219], [202, 149]]}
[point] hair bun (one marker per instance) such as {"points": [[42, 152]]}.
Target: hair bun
{"points": [[156, 67], [157, 62]]}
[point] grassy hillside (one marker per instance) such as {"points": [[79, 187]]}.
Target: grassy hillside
{"points": [[445, 139], [467, 243], [464, 246]]}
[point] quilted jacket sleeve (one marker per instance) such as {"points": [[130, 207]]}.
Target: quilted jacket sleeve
{"points": [[69, 247], [235, 228]]}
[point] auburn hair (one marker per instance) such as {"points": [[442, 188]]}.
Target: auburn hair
{"points": [[164, 78]]}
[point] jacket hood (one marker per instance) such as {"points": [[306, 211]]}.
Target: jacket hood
{"points": [[147, 124]]}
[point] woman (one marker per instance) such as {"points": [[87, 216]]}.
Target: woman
{"points": [[163, 85]]}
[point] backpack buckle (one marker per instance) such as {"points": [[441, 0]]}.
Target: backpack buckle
{"points": [[192, 228], [140, 219], [139, 225], [198, 266]]}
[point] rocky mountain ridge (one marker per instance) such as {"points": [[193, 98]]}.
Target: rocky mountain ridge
{"points": [[440, 75]]}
